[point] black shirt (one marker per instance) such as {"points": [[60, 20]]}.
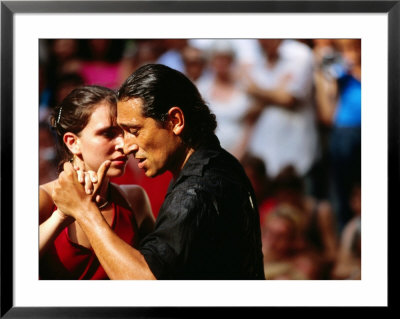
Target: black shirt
{"points": [[208, 226]]}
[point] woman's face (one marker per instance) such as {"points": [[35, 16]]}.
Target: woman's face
{"points": [[102, 139]]}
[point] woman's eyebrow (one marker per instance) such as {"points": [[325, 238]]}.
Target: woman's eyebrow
{"points": [[108, 128]]}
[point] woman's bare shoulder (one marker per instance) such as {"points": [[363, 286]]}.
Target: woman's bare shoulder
{"points": [[138, 199], [48, 187], [133, 192]]}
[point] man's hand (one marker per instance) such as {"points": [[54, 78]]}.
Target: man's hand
{"points": [[69, 194]]}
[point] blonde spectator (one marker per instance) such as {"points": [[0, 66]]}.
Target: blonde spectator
{"points": [[285, 254], [226, 98]]}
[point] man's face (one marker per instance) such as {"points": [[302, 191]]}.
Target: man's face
{"points": [[153, 145]]}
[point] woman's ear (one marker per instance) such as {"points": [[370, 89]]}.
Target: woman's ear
{"points": [[177, 119], [72, 142]]}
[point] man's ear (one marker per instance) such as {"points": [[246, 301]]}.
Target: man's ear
{"points": [[72, 142], [177, 119]]}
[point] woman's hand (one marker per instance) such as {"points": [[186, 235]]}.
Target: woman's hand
{"points": [[87, 178], [100, 183], [91, 180]]}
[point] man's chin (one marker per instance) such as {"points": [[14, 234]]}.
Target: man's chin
{"points": [[150, 174]]}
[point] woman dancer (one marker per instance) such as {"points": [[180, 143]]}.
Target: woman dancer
{"points": [[88, 135]]}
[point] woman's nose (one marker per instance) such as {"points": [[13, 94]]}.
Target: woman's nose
{"points": [[119, 145]]}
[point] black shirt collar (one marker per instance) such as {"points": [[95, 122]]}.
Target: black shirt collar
{"points": [[198, 160]]}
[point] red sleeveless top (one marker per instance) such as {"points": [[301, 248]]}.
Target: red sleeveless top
{"points": [[68, 260]]}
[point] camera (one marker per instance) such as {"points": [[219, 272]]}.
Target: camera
{"points": [[333, 65]]}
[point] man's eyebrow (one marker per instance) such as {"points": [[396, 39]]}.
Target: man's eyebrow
{"points": [[129, 125]]}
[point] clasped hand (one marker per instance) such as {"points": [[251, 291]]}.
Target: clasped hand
{"points": [[76, 189]]}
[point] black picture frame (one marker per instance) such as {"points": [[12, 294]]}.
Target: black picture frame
{"points": [[9, 8]]}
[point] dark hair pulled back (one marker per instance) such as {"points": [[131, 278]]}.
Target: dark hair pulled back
{"points": [[160, 88], [73, 114]]}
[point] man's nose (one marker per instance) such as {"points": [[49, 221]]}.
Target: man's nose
{"points": [[129, 145]]}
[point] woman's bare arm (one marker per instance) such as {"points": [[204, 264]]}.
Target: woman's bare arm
{"points": [[51, 223]]}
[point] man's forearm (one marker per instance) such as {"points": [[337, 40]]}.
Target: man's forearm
{"points": [[119, 259]]}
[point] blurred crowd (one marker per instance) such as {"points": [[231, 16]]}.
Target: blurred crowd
{"points": [[288, 109]]}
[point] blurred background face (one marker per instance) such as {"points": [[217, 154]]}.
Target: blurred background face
{"points": [[147, 51], [270, 46], [194, 62], [99, 47], [221, 64], [175, 44], [64, 48], [277, 237], [350, 50], [322, 42]]}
